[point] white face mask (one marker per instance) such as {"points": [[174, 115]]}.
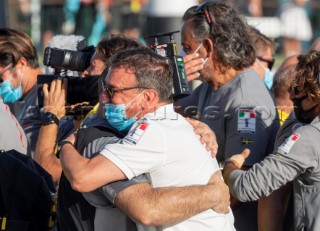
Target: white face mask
{"points": [[196, 51]]}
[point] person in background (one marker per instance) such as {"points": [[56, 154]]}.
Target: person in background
{"points": [[296, 159], [283, 78], [229, 100], [295, 26], [264, 48]]}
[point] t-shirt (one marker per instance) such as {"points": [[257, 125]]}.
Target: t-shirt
{"points": [[27, 113], [163, 145], [11, 133]]}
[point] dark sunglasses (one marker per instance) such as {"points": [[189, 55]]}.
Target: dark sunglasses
{"points": [[204, 9], [270, 62]]}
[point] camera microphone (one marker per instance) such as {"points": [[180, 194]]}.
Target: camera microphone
{"points": [[65, 42]]}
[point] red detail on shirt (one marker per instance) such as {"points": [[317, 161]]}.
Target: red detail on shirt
{"points": [[16, 123], [295, 137], [143, 126]]}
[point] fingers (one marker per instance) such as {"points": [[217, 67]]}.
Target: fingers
{"points": [[190, 57], [194, 123], [193, 76], [193, 64], [245, 153], [207, 136], [55, 97], [222, 194], [211, 144]]}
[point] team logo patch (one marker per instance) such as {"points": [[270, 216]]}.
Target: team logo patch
{"points": [[246, 121], [287, 145], [135, 135], [245, 141]]}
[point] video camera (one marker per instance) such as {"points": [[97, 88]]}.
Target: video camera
{"points": [[80, 89], [180, 82], [67, 59]]}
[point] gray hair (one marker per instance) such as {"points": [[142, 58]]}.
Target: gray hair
{"points": [[151, 70], [229, 33]]}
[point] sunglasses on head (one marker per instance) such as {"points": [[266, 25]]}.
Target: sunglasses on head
{"points": [[270, 62], [204, 9]]}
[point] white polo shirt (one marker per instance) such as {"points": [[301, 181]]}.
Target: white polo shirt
{"points": [[163, 145]]}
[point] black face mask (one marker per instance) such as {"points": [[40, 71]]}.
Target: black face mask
{"points": [[303, 116]]}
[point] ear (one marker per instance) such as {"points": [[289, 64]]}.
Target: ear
{"points": [[150, 98], [22, 63], [209, 47]]}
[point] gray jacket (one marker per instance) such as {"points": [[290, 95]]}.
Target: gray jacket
{"points": [[297, 159]]}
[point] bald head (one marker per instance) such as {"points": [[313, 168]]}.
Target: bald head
{"points": [[316, 45], [289, 61]]}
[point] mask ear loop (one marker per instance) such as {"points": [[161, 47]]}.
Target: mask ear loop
{"points": [[196, 51], [21, 76]]}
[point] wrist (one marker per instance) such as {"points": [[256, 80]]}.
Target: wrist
{"points": [[48, 118], [63, 143]]}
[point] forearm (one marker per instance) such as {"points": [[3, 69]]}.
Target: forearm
{"points": [[85, 174], [262, 178], [45, 151], [162, 206], [73, 165]]}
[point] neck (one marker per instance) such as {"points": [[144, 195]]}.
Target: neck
{"points": [[30, 79], [151, 109], [221, 78], [285, 105]]}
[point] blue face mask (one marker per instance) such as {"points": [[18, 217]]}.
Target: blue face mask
{"points": [[8, 93], [268, 78], [116, 116]]}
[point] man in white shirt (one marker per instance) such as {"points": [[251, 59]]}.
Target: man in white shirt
{"points": [[159, 143]]}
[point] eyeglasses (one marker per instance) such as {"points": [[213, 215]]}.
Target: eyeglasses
{"points": [[203, 8], [270, 62], [111, 91]]}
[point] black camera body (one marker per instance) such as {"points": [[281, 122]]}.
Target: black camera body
{"points": [[68, 59], [180, 81], [80, 89]]}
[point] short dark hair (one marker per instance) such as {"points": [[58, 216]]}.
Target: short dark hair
{"points": [[114, 43], [261, 42], [229, 33], [151, 70]]}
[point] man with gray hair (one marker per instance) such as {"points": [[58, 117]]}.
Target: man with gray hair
{"points": [[232, 99]]}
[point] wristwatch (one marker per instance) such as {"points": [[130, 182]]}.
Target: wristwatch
{"points": [[63, 142], [49, 118]]}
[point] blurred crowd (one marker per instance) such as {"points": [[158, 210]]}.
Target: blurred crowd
{"points": [[110, 135]]}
